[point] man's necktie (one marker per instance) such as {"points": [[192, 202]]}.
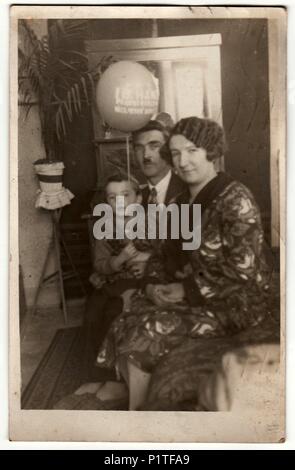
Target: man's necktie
{"points": [[154, 200], [153, 196]]}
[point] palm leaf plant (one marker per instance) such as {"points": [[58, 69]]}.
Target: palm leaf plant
{"points": [[54, 75]]}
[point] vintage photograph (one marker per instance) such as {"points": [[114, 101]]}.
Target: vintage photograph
{"points": [[148, 223]]}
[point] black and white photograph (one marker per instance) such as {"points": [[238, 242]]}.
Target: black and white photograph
{"points": [[147, 223]]}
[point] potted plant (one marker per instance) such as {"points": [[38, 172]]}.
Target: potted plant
{"points": [[54, 75]]}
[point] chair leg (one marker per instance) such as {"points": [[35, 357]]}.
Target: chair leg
{"points": [[60, 273], [72, 264], [50, 246]]}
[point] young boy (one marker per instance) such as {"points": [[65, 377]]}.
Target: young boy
{"points": [[112, 258], [118, 265]]}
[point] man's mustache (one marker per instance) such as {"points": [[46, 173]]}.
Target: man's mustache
{"points": [[147, 160]]}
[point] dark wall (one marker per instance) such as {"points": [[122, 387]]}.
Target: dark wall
{"points": [[80, 172], [244, 67]]}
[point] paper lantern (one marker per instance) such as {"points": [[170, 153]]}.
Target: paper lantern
{"points": [[127, 96]]}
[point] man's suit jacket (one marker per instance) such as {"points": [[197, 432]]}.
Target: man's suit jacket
{"points": [[175, 187]]}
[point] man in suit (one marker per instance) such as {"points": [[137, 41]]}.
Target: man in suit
{"points": [[163, 184]]}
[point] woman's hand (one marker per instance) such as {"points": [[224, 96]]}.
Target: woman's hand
{"points": [[151, 293], [163, 295], [171, 293]]}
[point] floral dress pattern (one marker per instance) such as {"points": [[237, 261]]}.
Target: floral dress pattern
{"points": [[226, 288]]}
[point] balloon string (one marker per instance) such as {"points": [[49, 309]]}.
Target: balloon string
{"points": [[128, 156]]}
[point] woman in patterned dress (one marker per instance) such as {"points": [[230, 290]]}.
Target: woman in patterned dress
{"points": [[215, 291]]}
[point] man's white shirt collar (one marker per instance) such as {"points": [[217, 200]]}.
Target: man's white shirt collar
{"points": [[162, 187]]}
